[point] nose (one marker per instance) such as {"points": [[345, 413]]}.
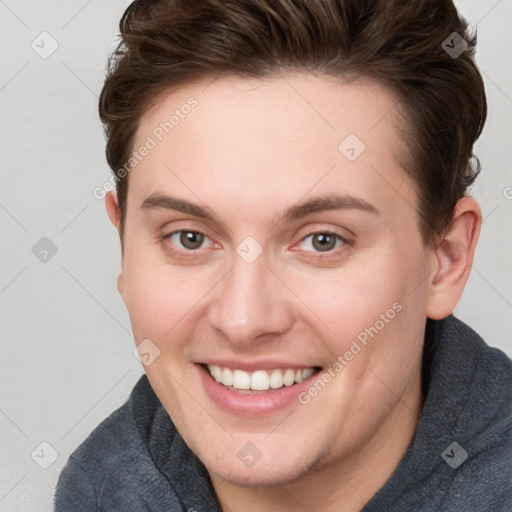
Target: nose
{"points": [[250, 302]]}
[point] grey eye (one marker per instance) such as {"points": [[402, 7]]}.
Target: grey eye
{"points": [[321, 242]]}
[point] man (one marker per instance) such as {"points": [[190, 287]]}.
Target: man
{"points": [[296, 233]]}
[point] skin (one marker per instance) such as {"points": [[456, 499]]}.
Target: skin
{"points": [[250, 150]]}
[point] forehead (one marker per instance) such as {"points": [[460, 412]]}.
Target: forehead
{"points": [[268, 138], [307, 103]]}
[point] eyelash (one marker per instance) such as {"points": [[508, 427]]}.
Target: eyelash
{"points": [[184, 253], [325, 254], [315, 254]]}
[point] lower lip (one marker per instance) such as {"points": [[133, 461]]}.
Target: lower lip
{"points": [[244, 404]]}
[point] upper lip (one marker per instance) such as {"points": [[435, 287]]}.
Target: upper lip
{"points": [[251, 366]]}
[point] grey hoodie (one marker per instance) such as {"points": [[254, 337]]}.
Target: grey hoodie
{"points": [[459, 460]]}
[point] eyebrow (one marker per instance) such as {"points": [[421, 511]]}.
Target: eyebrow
{"points": [[303, 209], [326, 203], [158, 201]]}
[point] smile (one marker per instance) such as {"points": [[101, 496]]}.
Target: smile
{"points": [[259, 380]]}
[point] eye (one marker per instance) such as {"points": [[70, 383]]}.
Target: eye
{"points": [[189, 240], [322, 242]]}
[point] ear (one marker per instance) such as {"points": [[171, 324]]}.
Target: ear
{"points": [[114, 214], [112, 206], [454, 257]]}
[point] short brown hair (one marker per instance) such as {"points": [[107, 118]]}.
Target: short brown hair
{"points": [[399, 43]]}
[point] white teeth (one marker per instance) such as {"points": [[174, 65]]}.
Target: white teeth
{"points": [[289, 377], [276, 379], [241, 380], [227, 377], [216, 372], [307, 373], [260, 380]]}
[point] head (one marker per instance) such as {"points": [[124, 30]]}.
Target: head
{"points": [[300, 206]]}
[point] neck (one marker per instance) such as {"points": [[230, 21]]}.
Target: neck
{"points": [[346, 484]]}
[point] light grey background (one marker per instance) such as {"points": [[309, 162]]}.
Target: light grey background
{"points": [[67, 358]]}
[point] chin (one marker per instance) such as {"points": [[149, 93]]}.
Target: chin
{"points": [[269, 473], [262, 477]]}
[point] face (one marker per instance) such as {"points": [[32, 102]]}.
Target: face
{"points": [[277, 269]]}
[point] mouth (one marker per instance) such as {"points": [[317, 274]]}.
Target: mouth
{"points": [[255, 389], [259, 381]]}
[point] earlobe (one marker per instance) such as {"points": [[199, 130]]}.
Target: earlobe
{"points": [[454, 257], [112, 206], [114, 214], [120, 284]]}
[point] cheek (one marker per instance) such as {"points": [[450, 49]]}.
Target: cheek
{"points": [[161, 298], [367, 308], [346, 300]]}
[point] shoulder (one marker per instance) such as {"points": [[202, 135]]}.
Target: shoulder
{"points": [[113, 469], [486, 370], [482, 422], [119, 436]]}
